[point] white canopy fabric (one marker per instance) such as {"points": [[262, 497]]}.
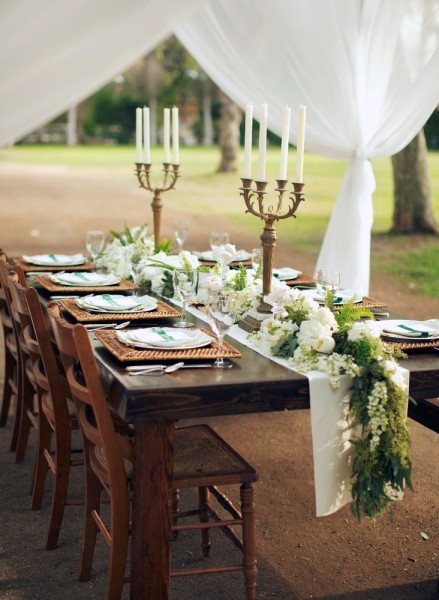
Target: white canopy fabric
{"points": [[55, 53], [365, 69]]}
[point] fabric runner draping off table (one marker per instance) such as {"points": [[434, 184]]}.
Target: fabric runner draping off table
{"points": [[333, 450]]}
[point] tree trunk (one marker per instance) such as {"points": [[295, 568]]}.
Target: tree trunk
{"points": [[207, 114], [229, 134], [413, 209]]}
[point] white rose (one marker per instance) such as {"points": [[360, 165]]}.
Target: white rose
{"points": [[364, 329], [211, 284], [279, 295], [316, 335], [226, 253]]}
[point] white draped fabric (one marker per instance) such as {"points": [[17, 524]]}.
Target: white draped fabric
{"points": [[55, 53], [366, 70]]}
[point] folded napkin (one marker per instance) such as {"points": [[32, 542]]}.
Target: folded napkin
{"points": [[55, 259], [285, 273], [341, 297], [113, 302], [412, 329], [163, 336], [85, 278]]}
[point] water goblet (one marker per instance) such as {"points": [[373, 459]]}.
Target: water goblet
{"points": [[94, 242], [218, 239], [185, 281], [321, 283], [181, 230], [219, 309], [334, 281]]}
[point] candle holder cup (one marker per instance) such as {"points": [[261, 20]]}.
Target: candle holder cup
{"points": [[254, 201], [144, 176]]}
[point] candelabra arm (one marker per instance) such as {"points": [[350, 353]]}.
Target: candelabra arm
{"points": [[143, 172]]}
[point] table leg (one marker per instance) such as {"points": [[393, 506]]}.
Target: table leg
{"points": [[151, 513]]}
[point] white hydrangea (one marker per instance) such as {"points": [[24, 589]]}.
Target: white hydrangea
{"points": [[364, 329]]}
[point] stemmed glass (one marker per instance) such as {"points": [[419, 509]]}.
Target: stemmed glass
{"points": [[218, 239], [185, 282], [327, 281], [219, 308], [181, 230], [94, 242]]}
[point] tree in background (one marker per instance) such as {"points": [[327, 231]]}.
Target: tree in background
{"points": [[413, 200], [229, 138]]}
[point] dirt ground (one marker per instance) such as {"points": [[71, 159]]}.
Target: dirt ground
{"points": [[300, 556]]}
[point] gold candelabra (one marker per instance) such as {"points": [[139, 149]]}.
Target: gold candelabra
{"points": [[143, 172], [254, 201]]}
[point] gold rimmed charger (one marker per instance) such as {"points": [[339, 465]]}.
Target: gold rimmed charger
{"points": [[109, 340], [162, 311]]}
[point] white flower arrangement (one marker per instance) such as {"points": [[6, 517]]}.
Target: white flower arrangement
{"points": [[314, 338], [125, 250]]}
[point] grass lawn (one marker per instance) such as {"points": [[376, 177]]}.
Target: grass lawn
{"points": [[201, 189]]}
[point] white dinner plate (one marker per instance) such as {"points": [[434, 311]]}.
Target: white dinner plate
{"points": [[405, 330], [85, 279], [241, 255], [286, 274], [116, 303], [55, 260], [147, 338], [341, 297]]}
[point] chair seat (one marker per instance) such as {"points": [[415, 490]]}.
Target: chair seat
{"points": [[201, 458]]}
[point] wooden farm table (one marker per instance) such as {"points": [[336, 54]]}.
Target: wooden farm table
{"points": [[152, 404]]}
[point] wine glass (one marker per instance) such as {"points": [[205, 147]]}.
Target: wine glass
{"points": [[219, 309], [94, 242], [185, 281], [218, 239], [321, 283], [334, 281], [181, 230]]}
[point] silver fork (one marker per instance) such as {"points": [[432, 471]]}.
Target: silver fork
{"points": [[94, 327]]}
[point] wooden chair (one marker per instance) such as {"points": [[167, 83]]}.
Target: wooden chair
{"points": [[25, 416], [9, 393], [202, 460], [56, 412]]}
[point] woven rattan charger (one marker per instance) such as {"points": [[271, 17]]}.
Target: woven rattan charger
{"points": [[162, 311], [124, 353]]}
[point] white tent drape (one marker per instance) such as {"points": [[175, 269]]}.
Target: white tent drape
{"points": [[366, 70], [53, 54]]}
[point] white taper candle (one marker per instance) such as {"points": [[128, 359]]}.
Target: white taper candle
{"points": [[138, 135], [263, 117], [285, 142], [166, 135], [146, 136], [300, 143], [175, 137], [248, 138]]}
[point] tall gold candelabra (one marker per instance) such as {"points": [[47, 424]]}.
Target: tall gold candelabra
{"points": [[143, 172], [254, 201]]}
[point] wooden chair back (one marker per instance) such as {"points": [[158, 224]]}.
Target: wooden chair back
{"points": [[10, 345], [104, 451]]}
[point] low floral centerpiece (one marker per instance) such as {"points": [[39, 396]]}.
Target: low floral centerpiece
{"points": [[347, 341]]}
